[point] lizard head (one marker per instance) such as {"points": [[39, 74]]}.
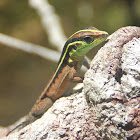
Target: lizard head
{"points": [[81, 42]]}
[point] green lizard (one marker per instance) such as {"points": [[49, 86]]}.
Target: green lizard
{"points": [[71, 60]]}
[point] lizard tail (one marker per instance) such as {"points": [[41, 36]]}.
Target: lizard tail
{"points": [[22, 125]]}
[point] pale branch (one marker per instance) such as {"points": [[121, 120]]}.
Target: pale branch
{"points": [[29, 48], [50, 21]]}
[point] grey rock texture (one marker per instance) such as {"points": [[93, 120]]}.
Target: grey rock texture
{"points": [[112, 85], [109, 105]]}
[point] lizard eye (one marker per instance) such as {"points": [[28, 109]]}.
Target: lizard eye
{"points": [[88, 39]]}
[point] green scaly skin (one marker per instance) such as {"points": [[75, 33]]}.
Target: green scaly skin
{"points": [[70, 62]]}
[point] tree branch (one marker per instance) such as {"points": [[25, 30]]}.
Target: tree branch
{"points": [[51, 23], [29, 47]]}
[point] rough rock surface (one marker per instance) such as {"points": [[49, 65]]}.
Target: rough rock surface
{"points": [[109, 105], [112, 85]]}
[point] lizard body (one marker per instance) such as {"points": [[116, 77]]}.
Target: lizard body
{"points": [[69, 64]]}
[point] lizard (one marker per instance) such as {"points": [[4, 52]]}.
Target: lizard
{"points": [[69, 64]]}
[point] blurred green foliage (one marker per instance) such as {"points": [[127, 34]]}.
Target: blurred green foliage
{"points": [[23, 76]]}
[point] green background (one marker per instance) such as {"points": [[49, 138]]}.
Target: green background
{"points": [[23, 76]]}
